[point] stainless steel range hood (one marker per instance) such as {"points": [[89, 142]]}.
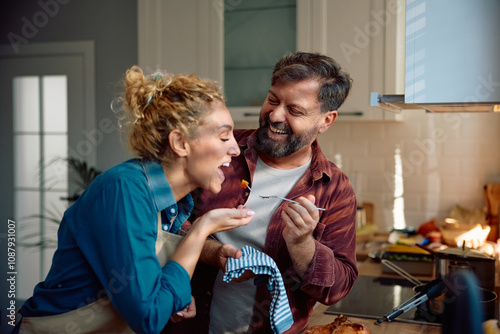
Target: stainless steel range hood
{"points": [[452, 58], [396, 103]]}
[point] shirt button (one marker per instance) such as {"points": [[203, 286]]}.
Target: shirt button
{"points": [[165, 228], [172, 210]]}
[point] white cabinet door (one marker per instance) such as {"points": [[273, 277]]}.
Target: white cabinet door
{"points": [[452, 51], [366, 38], [181, 36], [362, 35]]}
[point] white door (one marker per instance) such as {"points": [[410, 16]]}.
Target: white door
{"points": [[46, 108]]}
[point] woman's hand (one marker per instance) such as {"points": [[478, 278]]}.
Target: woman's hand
{"points": [[188, 312], [188, 251], [219, 220]]}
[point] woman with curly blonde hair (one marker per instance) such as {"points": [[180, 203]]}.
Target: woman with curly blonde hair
{"points": [[110, 272]]}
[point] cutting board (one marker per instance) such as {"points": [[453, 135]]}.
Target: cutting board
{"points": [[492, 201]]}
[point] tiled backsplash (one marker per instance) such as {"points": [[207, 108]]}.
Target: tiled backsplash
{"points": [[445, 160]]}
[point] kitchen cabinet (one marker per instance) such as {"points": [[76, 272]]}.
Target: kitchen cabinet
{"points": [[256, 34], [181, 36], [452, 51], [363, 36], [366, 38], [451, 64]]}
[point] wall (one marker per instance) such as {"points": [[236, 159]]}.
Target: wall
{"points": [[446, 160], [111, 24]]}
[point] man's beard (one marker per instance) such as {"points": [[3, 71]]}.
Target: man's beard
{"points": [[290, 143]]}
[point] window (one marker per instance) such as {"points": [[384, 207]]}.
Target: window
{"points": [[40, 169]]}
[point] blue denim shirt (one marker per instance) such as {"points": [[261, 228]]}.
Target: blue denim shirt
{"points": [[106, 247]]}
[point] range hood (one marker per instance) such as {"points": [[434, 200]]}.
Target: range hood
{"points": [[396, 103], [452, 58]]}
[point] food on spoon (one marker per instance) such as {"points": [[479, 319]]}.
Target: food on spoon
{"points": [[244, 184], [341, 325]]}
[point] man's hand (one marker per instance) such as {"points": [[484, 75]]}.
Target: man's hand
{"points": [[300, 219], [188, 312], [300, 222], [226, 251]]}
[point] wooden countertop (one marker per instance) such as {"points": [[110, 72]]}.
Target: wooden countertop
{"points": [[369, 267], [320, 318], [372, 268]]}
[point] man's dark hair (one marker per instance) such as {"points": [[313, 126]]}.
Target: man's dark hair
{"points": [[334, 82]]}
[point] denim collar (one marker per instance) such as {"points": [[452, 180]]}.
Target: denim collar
{"points": [[175, 213]]}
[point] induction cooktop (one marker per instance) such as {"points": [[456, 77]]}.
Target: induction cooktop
{"points": [[374, 297]]}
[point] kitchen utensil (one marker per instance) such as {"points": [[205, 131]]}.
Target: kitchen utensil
{"points": [[462, 224], [433, 309], [428, 291], [369, 212], [244, 184], [411, 259], [451, 259], [426, 249], [403, 273], [360, 217], [455, 234]]}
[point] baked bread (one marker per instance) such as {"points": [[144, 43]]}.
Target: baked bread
{"points": [[341, 325]]}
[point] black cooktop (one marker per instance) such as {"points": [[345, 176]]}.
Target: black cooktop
{"points": [[374, 297]]}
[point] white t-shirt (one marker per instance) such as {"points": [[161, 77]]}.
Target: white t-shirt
{"points": [[232, 303]]}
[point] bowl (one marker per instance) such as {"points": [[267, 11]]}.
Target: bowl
{"points": [[455, 234]]}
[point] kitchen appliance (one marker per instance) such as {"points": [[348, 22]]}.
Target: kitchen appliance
{"points": [[451, 64], [373, 296], [426, 292], [411, 259], [437, 304], [450, 260]]}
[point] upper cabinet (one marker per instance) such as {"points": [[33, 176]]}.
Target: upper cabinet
{"points": [[256, 34], [453, 51], [452, 58], [365, 37], [181, 36]]}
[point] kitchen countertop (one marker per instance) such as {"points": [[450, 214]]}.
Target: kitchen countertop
{"points": [[320, 318], [372, 268], [369, 267]]}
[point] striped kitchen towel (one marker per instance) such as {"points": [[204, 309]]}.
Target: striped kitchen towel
{"points": [[261, 264]]}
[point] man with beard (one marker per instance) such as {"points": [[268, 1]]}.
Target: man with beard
{"points": [[313, 248]]}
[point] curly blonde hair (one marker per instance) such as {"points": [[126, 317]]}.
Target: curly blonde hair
{"points": [[153, 106]]}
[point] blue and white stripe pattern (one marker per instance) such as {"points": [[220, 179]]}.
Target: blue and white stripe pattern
{"points": [[261, 264]]}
